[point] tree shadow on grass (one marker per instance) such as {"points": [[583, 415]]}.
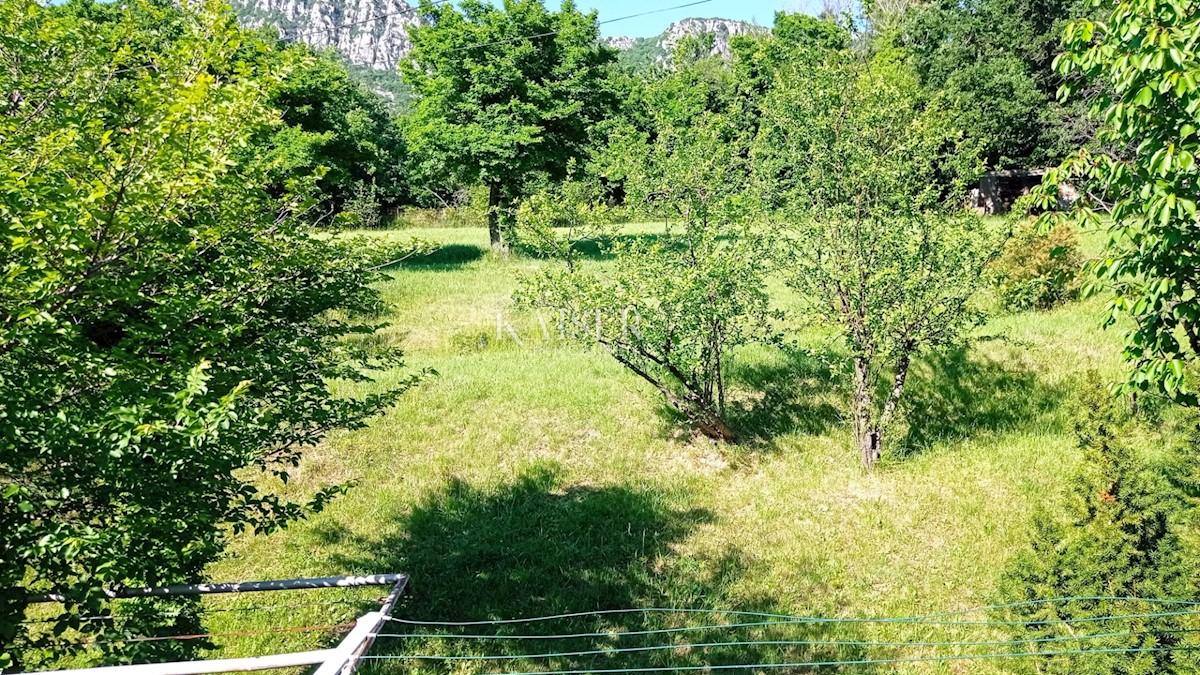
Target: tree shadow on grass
{"points": [[794, 393], [959, 394], [534, 547], [600, 248], [444, 258]]}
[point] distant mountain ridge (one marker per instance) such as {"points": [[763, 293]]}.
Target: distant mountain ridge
{"points": [[657, 50], [373, 34]]}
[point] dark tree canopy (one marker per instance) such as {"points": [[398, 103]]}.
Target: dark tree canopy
{"points": [[506, 95], [993, 59], [332, 121]]}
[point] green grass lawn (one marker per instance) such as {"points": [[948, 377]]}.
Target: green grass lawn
{"points": [[539, 478]]}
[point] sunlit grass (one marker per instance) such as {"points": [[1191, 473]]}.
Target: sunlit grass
{"points": [[541, 478]]}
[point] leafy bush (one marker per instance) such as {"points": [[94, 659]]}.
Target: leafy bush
{"points": [[671, 313], [1038, 270], [1116, 540], [1136, 63], [169, 329], [865, 168], [556, 223], [336, 129]]}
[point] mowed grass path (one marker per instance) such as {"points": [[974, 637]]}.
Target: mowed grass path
{"points": [[540, 478]]}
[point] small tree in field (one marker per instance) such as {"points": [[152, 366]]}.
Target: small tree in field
{"points": [[864, 169], [676, 305]]}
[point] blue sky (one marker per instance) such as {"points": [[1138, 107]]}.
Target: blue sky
{"points": [[760, 11]]}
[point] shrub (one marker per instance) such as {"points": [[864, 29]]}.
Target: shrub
{"points": [[1037, 269], [170, 331], [1115, 541], [857, 157], [675, 305], [362, 207], [558, 222]]}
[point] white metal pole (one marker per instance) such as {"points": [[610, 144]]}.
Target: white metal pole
{"points": [[385, 611], [244, 586], [204, 667], [366, 624]]}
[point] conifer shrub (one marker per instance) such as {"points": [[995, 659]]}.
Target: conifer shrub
{"points": [[1111, 552]]}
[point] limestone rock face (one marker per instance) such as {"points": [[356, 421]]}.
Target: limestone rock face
{"points": [[371, 33], [374, 33], [656, 51], [619, 42], [721, 30]]}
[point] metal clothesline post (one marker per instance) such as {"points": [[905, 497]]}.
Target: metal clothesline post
{"points": [[243, 587], [339, 660]]}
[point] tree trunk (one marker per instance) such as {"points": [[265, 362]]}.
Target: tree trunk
{"points": [[869, 447], [865, 433], [717, 430], [709, 423], [494, 204]]}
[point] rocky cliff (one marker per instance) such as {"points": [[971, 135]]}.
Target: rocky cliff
{"points": [[374, 33], [641, 52], [371, 33], [720, 29]]}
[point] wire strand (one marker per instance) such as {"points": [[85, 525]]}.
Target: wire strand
{"points": [[854, 662], [805, 621], [556, 32], [214, 610], [792, 643], [88, 644], [769, 615]]}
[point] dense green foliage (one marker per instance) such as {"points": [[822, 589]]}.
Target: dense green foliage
{"points": [[335, 128], [1145, 55], [1118, 538], [497, 107], [337, 136], [678, 305], [992, 59], [169, 329], [175, 330]]}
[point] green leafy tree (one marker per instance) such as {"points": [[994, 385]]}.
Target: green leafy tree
{"points": [[1116, 540], [675, 306], [505, 96], [169, 330], [759, 58], [334, 125], [557, 223], [1145, 55], [854, 156]]}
